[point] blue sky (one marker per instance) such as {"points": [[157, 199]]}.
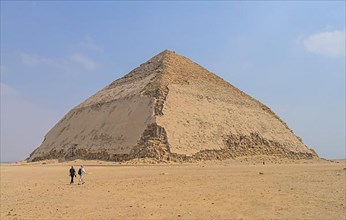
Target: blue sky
{"points": [[288, 55]]}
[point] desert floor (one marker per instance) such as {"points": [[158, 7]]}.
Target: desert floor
{"points": [[205, 190]]}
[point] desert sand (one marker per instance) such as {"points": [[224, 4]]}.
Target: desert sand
{"points": [[232, 189]]}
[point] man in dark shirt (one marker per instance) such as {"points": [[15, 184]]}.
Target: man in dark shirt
{"points": [[72, 174]]}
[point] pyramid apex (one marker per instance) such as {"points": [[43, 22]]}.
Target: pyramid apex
{"points": [[163, 56], [168, 51]]}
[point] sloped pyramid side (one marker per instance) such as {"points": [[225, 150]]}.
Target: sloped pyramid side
{"points": [[170, 108], [109, 124], [205, 117]]}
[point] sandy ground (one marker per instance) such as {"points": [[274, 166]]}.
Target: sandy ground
{"points": [[207, 190]]}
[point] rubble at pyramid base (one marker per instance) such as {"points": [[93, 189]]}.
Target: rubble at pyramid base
{"points": [[154, 145]]}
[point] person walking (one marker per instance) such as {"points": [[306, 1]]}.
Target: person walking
{"points": [[81, 173], [72, 174]]}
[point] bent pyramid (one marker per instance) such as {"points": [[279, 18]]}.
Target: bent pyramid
{"points": [[170, 108]]}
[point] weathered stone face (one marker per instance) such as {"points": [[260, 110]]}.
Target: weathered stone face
{"points": [[170, 108]]}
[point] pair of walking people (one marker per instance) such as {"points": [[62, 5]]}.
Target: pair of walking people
{"points": [[81, 172]]}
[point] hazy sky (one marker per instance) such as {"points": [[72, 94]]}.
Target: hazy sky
{"points": [[288, 55]]}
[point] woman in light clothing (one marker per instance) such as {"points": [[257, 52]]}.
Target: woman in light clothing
{"points": [[81, 173]]}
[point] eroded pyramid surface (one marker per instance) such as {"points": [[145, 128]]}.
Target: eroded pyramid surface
{"points": [[170, 108]]}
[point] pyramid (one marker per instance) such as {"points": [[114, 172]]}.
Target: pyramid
{"points": [[170, 108]]}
